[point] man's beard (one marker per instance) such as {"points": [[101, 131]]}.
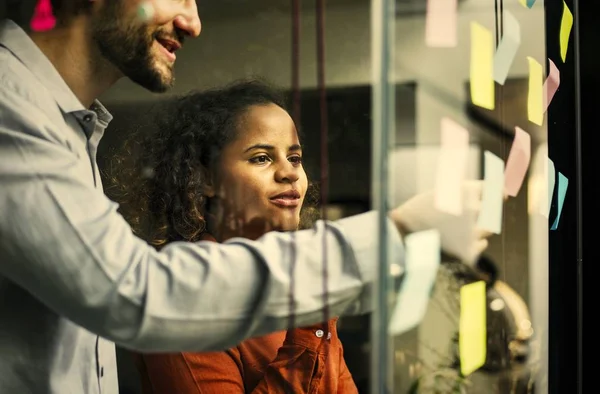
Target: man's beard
{"points": [[127, 45]]}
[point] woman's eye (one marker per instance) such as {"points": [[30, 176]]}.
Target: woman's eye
{"points": [[260, 159], [295, 159]]}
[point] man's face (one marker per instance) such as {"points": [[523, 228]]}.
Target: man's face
{"points": [[141, 47]]}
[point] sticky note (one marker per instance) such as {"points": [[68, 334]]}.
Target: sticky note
{"points": [[482, 67], [451, 167], [441, 23], [565, 31], [535, 96], [472, 332], [517, 162], [422, 262], [527, 3], [43, 18], [507, 49], [551, 84], [492, 199], [548, 193], [146, 11], [542, 190], [563, 184]]}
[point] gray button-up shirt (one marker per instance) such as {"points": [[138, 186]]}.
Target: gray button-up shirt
{"points": [[72, 273]]}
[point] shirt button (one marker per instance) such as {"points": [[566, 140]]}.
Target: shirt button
{"points": [[319, 333], [88, 118], [101, 372]]}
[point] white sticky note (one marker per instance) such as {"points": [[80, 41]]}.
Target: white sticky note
{"points": [[547, 194], [451, 167], [517, 162], [422, 262], [441, 23], [492, 199], [508, 47], [472, 334]]}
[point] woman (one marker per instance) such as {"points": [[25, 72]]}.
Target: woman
{"points": [[228, 163]]}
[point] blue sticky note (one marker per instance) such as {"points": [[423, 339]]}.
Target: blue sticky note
{"points": [[563, 184], [422, 261], [527, 3]]}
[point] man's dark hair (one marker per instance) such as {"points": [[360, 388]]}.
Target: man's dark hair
{"points": [[64, 10]]}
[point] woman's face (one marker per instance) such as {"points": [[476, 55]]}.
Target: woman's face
{"points": [[260, 174]]}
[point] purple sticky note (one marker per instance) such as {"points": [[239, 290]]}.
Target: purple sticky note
{"points": [[517, 163], [43, 18]]}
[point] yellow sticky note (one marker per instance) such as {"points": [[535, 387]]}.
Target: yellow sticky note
{"points": [[565, 31], [535, 97], [482, 66], [472, 337]]}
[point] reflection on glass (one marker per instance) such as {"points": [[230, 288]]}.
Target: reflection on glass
{"points": [[496, 83]]}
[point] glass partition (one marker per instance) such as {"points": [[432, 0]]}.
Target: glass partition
{"points": [[484, 77]]}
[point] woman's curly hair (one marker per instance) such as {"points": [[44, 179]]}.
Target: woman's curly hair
{"points": [[158, 179]]}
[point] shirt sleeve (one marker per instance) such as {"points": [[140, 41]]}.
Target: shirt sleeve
{"points": [[64, 242]]}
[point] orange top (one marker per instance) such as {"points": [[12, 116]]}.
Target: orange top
{"points": [[301, 360]]}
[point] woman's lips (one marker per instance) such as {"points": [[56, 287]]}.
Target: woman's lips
{"points": [[286, 202]]}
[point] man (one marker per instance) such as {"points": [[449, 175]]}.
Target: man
{"points": [[73, 277]]}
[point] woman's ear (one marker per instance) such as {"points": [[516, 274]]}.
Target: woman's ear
{"points": [[209, 189]]}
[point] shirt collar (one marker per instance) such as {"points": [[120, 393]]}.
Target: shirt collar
{"points": [[16, 40]]}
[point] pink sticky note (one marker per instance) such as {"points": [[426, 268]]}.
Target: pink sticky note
{"points": [[441, 23], [517, 163], [551, 84], [43, 18], [452, 167]]}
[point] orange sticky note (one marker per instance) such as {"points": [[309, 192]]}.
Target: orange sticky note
{"points": [[517, 162], [472, 335], [551, 84], [451, 167], [482, 67], [440, 23], [565, 31], [535, 96], [43, 17]]}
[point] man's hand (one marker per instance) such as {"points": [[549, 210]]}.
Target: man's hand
{"points": [[460, 236]]}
